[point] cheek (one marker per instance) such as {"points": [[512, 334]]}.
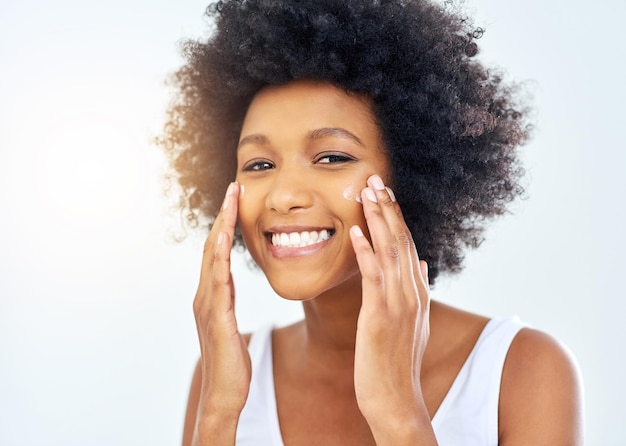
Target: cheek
{"points": [[350, 202], [351, 187], [350, 193], [347, 197], [246, 212]]}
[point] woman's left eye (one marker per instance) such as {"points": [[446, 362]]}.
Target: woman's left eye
{"points": [[333, 158]]}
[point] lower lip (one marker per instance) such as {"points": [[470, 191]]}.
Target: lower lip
{"points": [[282, 252]]}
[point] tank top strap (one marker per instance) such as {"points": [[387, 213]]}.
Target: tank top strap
{"points": [[260, 342], [258, 422], [468, 414]]}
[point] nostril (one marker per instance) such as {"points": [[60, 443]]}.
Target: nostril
{"points": [[285, 198]]}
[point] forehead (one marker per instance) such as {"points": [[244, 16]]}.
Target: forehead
{"points": [[308, 105]]}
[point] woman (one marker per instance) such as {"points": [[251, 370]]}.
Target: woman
{"points": [[361, 147]]}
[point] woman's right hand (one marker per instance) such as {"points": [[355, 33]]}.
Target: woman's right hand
{"points": [[224, 361]]}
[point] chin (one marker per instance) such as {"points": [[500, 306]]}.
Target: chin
{"points": [[294, 288], [295, 291]]}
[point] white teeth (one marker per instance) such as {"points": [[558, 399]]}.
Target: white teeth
{"points": [[299, 239], [294, 239]]}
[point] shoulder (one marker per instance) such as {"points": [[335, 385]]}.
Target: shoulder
{"points": [[453, 332], [453, 323], [540, 394]]}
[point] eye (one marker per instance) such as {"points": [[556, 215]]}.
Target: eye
{"points": [[333, 158], [257, 165]]}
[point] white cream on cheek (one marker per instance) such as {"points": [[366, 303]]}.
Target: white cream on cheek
{"points": [[348, 193], [352, 193]]}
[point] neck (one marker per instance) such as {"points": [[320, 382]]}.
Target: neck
{"points": [[329, 327]]}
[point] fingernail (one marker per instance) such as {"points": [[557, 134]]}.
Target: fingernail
{"points": [[371, 196], [220, 238], [230, 189], [358, 199], [377, 183], [229, 192], [391, 194], [356, 231]]}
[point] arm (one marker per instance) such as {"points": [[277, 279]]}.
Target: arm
{"points": [[222, 378], [192, 405], [393, 325], [541, 395]]}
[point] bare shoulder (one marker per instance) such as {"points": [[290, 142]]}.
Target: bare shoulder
{"points": [[541, 393], [453, 323]]}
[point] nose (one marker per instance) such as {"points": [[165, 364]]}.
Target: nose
{"points": [[289, 191]]}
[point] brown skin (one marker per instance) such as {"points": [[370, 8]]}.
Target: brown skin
{"points": [[373, 351]]}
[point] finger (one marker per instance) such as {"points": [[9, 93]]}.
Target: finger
{"points": [[391, 239], [384, 245], [225, 221], [382, 240], [392, 214], [424, 271], [390, 211], [371, 273], [221, 280], [217, 254]]}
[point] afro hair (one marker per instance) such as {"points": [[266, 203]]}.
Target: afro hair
{"points": [[450, 126]]}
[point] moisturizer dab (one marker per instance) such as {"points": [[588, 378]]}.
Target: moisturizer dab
{"points": [[350, 194]]}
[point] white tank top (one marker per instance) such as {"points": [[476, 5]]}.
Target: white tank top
{"points": [[468, 415]]}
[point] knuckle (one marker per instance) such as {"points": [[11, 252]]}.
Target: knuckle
{"points": [[375, 277], [398, 211], [220, 281], [376, 210], [383, 198], [220, 255], [215, 256], [404, 239], [391, 250], [363, 247], [197, 304]]}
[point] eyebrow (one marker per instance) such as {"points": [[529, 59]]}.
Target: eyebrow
{"points": [[255, 138], [337, 132]]}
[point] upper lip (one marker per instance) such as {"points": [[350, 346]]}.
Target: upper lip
{"points": [[279, 229]]}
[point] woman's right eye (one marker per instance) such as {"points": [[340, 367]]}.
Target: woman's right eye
{"points": [[255, 166]]}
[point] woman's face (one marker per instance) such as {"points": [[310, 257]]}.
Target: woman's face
{"points": [[305, 152]]}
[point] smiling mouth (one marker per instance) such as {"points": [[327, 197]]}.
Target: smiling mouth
{"points": [[300, 239]]}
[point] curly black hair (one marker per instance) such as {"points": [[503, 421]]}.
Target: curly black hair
{"points": [[450, 126]]}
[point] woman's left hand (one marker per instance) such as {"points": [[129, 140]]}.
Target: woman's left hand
{"points": [[393, 324]]}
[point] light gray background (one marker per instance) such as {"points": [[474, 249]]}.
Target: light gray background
{"points": [[97, 338]]}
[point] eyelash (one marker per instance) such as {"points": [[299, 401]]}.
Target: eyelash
{"points": [[339, 158], [255, 166], [333, 158]]}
